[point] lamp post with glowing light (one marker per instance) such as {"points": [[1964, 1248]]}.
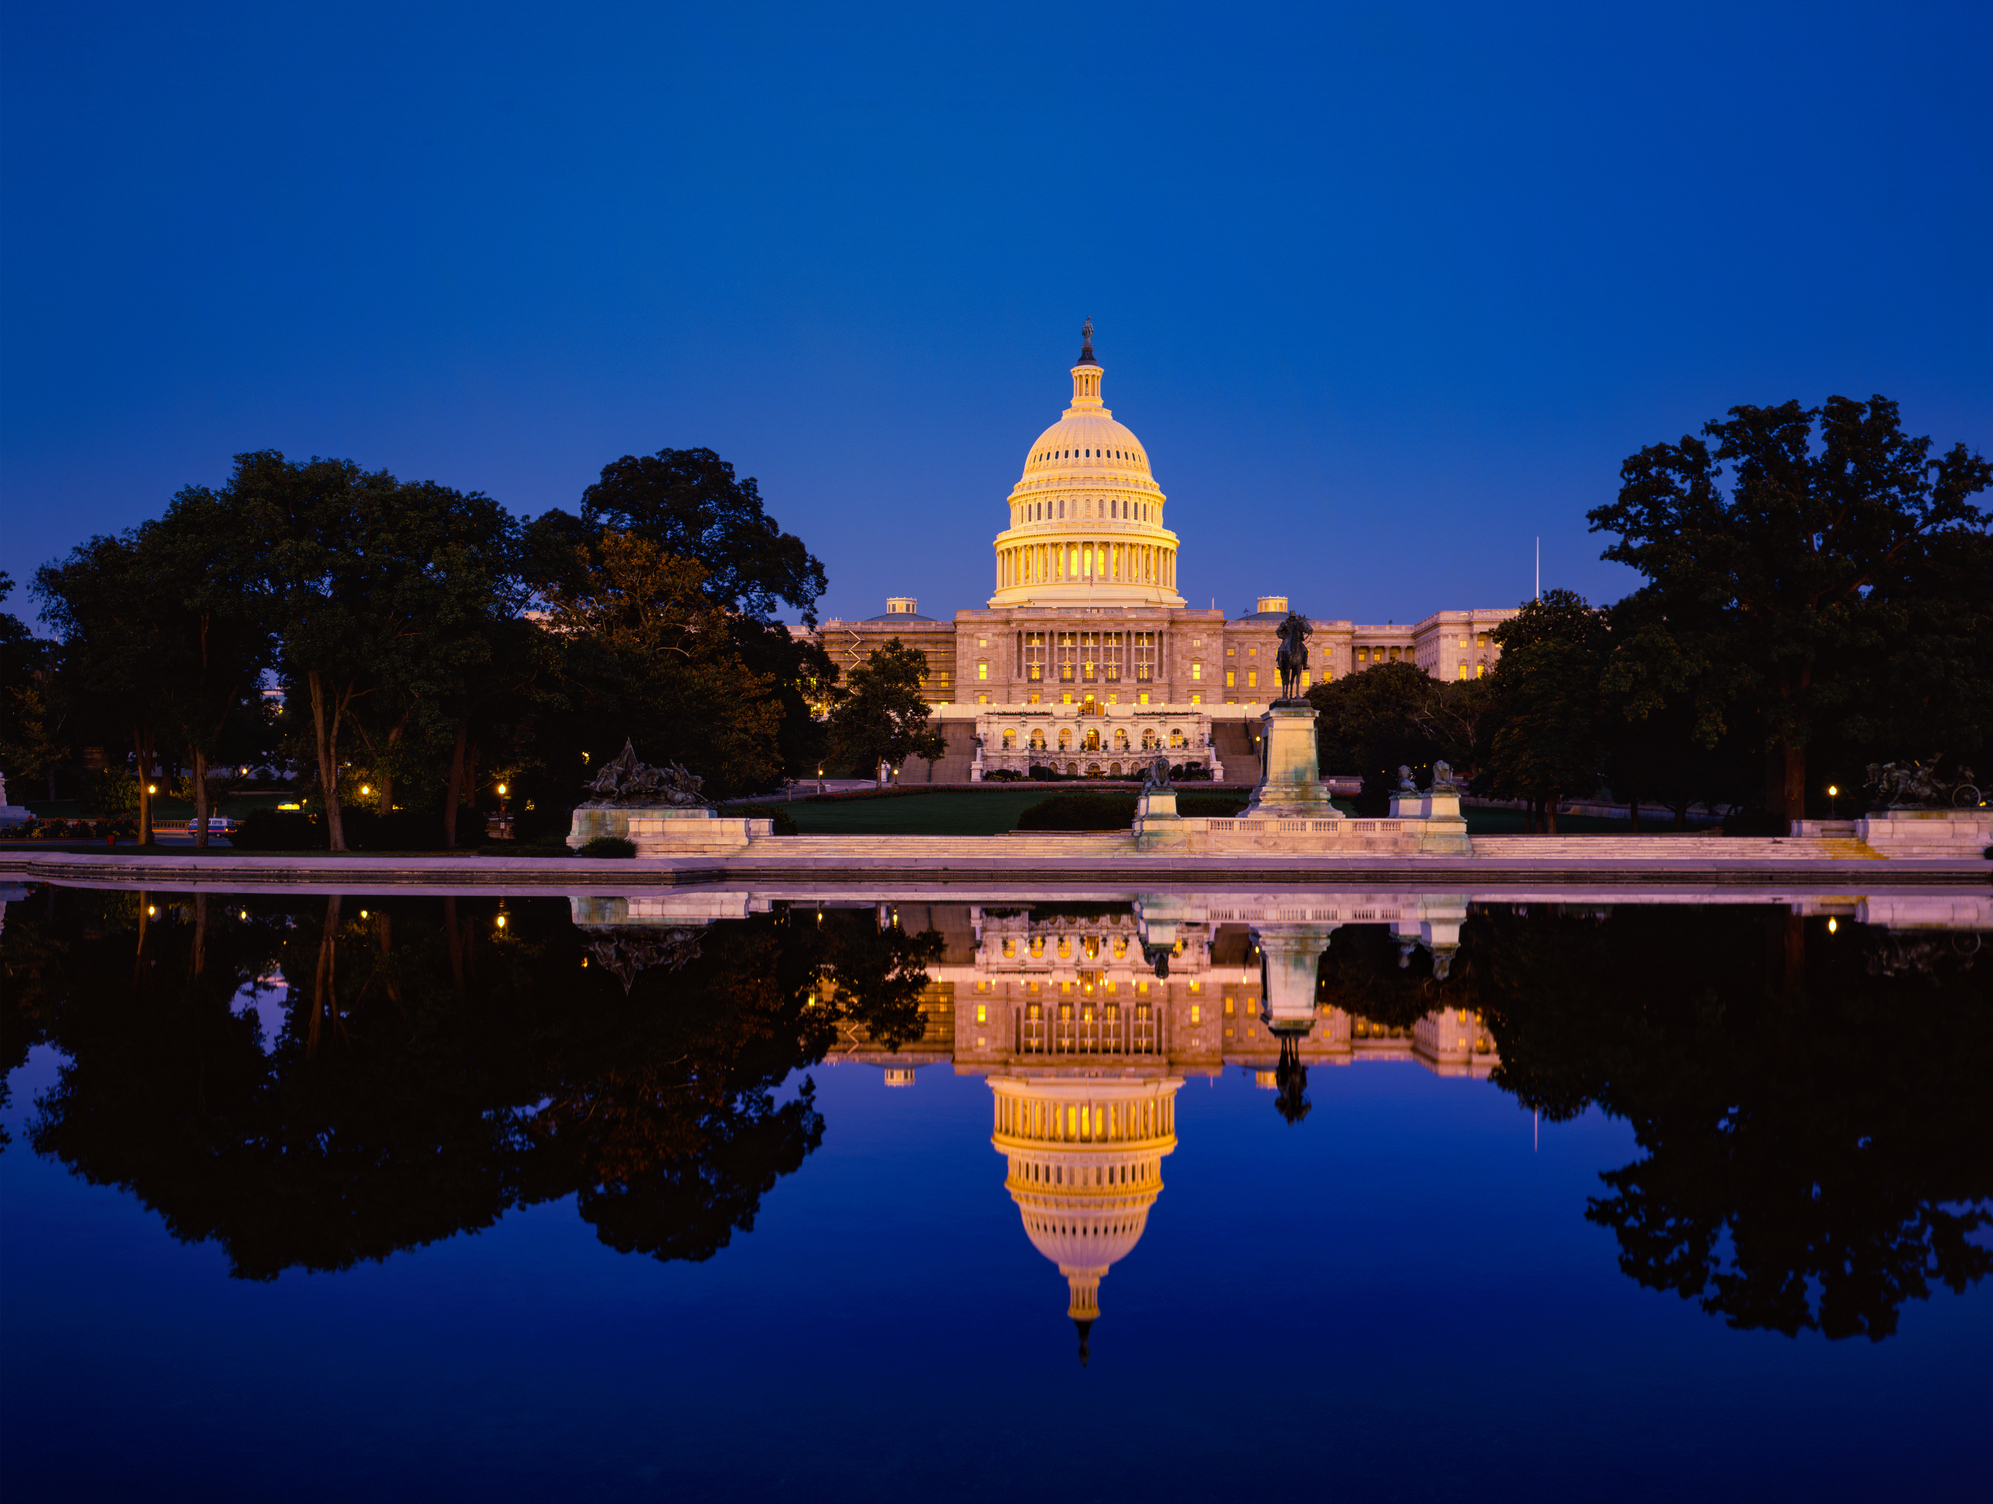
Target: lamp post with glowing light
{"points": [[1833, 801]]}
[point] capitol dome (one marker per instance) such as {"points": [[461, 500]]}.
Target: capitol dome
{"points": [[1085, 1165], [1086, 516]]}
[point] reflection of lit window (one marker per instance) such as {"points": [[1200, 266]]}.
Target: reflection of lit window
{"points": [[1010, 947], [982, 1013], [1196, 1014]]}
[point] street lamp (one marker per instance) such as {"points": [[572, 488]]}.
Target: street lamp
{"points": [[1833, 796]]}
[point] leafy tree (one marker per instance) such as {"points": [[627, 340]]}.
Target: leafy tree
{"points": [[376, 586], [688, 503], [883, 718], [30, 722], [1776, 602], [214, 641], [1546, 730], [1376, 720], [646, 656], [113, 617]]}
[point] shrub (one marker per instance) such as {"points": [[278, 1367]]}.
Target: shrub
{"points": [[1080, 812], [785, 823], [1190, 772], [1003, 775], [609, 846], [398, 830], [1210, 806], [278, 830], [109, 791]]}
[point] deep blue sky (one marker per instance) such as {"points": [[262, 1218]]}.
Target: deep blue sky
{"points": [[1410, 282]]}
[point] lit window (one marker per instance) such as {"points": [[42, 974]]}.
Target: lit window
{"points": [[1145, 699], [1231, 679], [1480, 670], [1463, 671], [982, 671], [1252, 678], [1197, 699]]}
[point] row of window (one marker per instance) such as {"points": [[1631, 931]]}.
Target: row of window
{"points": [[1046, 456], [1115, 507], [1093, 741]]}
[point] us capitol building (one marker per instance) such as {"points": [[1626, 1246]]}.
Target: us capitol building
{"points": [[1087, 658]]}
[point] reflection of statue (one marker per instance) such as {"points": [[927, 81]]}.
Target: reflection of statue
{"points": [[1294, 633], [1158, 957], [1291, 1077], [627, 781], [1159, 774], [628, 952]]}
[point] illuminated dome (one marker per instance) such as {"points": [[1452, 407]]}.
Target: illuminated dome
{"points": [[1086, 518], [1085, 1165]]}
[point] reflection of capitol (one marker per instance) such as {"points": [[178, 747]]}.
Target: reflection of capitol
{"points": [[1086, 1039], [1085, 1157]]}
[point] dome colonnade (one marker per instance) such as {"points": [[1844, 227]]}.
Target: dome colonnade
{"points": [[1086, 518]]}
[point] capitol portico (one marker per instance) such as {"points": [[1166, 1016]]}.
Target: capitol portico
{"points": [[1087, 658]]}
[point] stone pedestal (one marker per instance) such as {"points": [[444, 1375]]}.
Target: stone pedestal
{"points": [[1444, 831], [12, 814], [1290, 783], [1158, 827], [665, 830], [1291, 955], [1927, 832]]}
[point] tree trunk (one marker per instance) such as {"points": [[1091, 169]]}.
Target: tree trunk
{"points": [[200, 798], [142, 744], [325, 990], [1633, 813], [200, 932], [1785, 781], [453, 789], [1550, 815], [325, 738]]}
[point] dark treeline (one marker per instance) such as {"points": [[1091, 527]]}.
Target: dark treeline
{"points": [[1816, 599], [429, 645], [440, 1062]]}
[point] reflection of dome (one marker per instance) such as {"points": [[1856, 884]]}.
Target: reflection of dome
{"points": [[1085, 1165], [1087, 515]]}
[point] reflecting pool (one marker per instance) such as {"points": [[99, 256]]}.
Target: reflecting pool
{"points": [[1174, 1194]]}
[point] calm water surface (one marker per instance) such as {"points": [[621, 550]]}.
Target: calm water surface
{"points": [[670, 1198]]}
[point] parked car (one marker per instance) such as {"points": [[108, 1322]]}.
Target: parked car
{"points": [[218, 825]]}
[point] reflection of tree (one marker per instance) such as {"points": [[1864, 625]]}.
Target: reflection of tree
{"points": [[1814, 1126], [1369, 973], [436, 1067]]}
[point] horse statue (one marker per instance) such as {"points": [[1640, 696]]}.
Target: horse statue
{"points": [[1294, 633], [625, 781]]}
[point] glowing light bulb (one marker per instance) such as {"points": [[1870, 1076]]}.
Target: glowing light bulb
{"points": [[501, 921], [366, 788], [502, 789], [1833, 925]]}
